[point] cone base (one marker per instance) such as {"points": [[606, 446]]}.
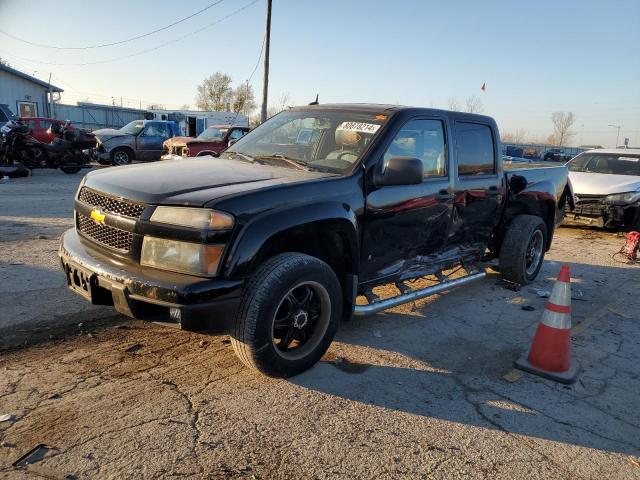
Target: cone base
{"points": [[567, 377]]}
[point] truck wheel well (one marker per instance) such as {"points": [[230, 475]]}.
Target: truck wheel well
{"points": [[321, 241], [545, 209], [204, 153]]}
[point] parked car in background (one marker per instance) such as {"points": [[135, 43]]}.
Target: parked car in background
{"points": [[212, 141], [607, 188], [273, 241], [41, 127], [137, 140], [555, 155]]}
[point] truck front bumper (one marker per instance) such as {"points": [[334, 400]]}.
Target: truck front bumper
{"points": [[193, 303]]}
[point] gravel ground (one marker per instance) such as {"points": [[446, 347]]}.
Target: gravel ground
{"points": [[425, 390]]}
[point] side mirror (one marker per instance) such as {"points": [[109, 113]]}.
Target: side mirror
{"points": [[402, 171]]}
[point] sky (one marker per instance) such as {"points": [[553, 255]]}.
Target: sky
{"points": [[535, 57]]}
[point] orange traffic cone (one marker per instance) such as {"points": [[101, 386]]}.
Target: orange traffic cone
{"points": [[550, 353]]}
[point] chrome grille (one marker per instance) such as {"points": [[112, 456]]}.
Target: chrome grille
{"points": [[104, 234], [109, 204]]}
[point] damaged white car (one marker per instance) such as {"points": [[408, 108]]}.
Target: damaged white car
{"points": [[607, 188]]}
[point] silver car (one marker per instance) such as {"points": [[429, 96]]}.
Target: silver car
{"points": [[607, 188]]}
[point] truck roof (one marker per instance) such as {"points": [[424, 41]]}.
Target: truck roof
{"points": [[388, 109]]}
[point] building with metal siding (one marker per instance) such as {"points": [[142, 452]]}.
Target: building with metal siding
{"points": [[26, 96], [93, 116]]}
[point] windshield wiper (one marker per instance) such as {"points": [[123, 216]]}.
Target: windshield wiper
{"points": [[242, 155], [291, 161]]}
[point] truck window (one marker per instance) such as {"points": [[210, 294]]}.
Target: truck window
{"points": [[236, 134], [424, 140], [474, 149], [157, 130]]}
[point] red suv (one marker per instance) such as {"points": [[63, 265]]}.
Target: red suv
{"points": [[40, 127]]}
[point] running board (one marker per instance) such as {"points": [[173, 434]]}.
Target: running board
{"points": [[375, 307]]}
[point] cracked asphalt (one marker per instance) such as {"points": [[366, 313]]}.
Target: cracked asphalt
{"points": [[426, 390]]}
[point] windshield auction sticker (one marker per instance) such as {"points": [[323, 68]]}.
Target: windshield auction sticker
{"points": [[359, 127]]}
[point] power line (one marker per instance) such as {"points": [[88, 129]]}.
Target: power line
{"points": [[120, 42], [142, 51]]}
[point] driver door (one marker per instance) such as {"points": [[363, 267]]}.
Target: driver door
{"points": [[406, 226], [150, 140]]}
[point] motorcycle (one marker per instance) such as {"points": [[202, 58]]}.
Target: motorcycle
{"points": [[68, 150]]}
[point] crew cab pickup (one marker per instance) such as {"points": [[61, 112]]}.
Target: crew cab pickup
{"points": [[275, 240], [138, 140]]}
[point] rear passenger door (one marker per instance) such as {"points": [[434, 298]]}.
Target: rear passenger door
{"points": [[479, 185], [407, 225]]}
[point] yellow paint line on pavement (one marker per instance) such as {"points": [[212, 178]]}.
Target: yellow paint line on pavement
{"points": [[583, 325]]}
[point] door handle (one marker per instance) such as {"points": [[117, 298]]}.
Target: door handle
{"points": [[492, 191], [444, 195]]}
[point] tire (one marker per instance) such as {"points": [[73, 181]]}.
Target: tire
{"points": [[272, 311], [121, 156], [523, 248], [70, 170]]}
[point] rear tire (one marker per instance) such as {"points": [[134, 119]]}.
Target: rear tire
{"points": [[523, 248], [276, 332]]}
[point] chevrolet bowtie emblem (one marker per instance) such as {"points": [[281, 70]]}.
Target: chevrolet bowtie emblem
{"points": [[97, 216]]}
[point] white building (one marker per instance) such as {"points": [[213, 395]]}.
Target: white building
{"points": [[194, 122], [26, 96]]}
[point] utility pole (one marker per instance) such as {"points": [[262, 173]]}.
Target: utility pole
{"points": [[265, 79], [618, 135], [50, 98]]}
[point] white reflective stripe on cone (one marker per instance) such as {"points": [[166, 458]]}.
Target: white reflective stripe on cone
{"points": [[561, 294], [555, 319]]}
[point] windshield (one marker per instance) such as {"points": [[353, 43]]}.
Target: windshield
{"points": [[213, 133], [310, 139], [614, 164], [133, 128]]}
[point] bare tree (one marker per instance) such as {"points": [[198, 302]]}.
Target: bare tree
{"points": [[155, 106], [185, 106], [281, 104], [243, 99], [518, 136], [453, 104], [4, 62], [562, 123], [215, 93], [474, 104]]}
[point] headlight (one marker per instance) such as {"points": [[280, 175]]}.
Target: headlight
{"points": [[182, 257], [193, 217], [628, 197]]}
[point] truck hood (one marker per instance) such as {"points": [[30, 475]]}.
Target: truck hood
{"points": [[177, 141], [603, 183], [105, 134], [183, 141], [193, 181]]}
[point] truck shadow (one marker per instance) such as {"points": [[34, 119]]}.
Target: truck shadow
{"points": [[446, 361]]}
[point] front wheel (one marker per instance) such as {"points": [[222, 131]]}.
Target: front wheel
{"points": [[288, 316], [523, 248], [121, 156]]}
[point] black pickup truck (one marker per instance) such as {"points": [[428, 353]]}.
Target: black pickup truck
{"points": [[287, 232]]}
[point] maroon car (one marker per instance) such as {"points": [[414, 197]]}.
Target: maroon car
{"points": [[212, 141], [40, 126]]}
